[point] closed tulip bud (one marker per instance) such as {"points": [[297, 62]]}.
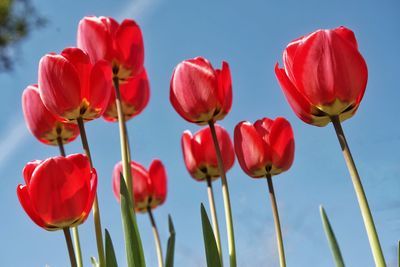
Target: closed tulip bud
{"points": [[42, 123], [149, 186], [135, 94], [72, 87], [324, 75], [121, 45], [199, 153], [265, 147], [59, 191], [200, 93]]}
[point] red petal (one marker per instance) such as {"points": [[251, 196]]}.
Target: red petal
{"points": [[250, 149], [158, 177], [59, 85], [24, 199], [99, 89], [29, 169], [116, 180], [224, 90], [347, 35], [94, 38], [297, 101], [129, 41], [188, 156], [282, 144], [92, 195]]}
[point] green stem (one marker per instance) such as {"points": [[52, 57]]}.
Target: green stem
{"points": [[125, 153], [362, 199], [214, 216], [225, 195], [75, 232], [277, 223], [96, 209], [156, 238], [71, 253]]}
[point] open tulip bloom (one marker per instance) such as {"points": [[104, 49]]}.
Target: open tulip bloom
{"points": [[264, 149], [59, 192], [324, 79], [149, 191]]}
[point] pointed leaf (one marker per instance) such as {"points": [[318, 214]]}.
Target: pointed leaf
{"points": [[111, 260], [169, 260], [133, 243], [94, 262], [210, 245], [330, 235]]}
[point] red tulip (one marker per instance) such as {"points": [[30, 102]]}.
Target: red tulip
{"points": [[135, 95], [200, 93], [71, 87], [324, 75], [59, 191], [265, 147], [199, 153], [42, 123], [119, 44], [149, 187]]}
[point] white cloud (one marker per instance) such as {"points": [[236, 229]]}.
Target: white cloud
{"points": [[138, 9], [11, 139]]}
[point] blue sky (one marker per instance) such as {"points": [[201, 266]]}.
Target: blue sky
{"points": [[251, 37]]}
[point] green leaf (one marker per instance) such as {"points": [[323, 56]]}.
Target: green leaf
{"points": [[94, 262], [133, 243], [111, 260], [210, 245], [330, 235], [169, 260]]}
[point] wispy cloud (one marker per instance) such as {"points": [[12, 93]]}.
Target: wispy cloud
{"points": [[11, 139], [138, 9]]}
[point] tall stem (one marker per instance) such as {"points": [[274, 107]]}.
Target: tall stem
{"points": [[71, 253], [75, 232], [225, 195], [156, 238], [214, 215], [96, 209], [362, 199], [125, 153], [277, 223]]}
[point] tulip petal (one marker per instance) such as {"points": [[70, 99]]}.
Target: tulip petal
{"points": [[347, 35], [250, 149], [224, 90], [91, 197], [94, 38], [59, 86], [188, 156], [158, 177], [24, 199], [29, 169], [129, 41], [281, 141]]}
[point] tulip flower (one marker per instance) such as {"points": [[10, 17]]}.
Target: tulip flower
{"points": [[42, 123], [59, 192], [149, 188], [135, 95], [71, 87], [121, 45], [149, 191], [324, 75], [267, 146], [200, 93], [199, 153], [264, 149], [324, 79]]}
